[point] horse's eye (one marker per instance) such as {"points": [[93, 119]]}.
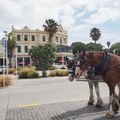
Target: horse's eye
{"points": [[81, 60]]}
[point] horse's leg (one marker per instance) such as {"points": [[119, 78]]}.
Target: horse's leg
{"points": [[119, 92], [113, 102], [99, 99], [91, 98]]}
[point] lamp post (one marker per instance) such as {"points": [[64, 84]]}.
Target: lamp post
{"points": [[5, 55], [3, 62], [4, 42], [16, 46], [6, 50]]}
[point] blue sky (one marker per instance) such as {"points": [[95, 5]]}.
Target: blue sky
{"points": [[76, 16]]}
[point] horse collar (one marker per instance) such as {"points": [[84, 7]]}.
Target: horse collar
{"points": [[104, 64]]}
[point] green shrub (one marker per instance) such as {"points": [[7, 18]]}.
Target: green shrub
{"points": [[11, 70], [32, 74], [53, 73], [8, 81], [52, 68], [58, 73], [44, 74], [27, 73], [62, 72]]}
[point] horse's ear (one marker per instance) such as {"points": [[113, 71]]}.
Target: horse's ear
{"points": [[83, 54], [66, 58]]}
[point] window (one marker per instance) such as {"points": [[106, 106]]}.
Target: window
{"points": [[18, 37], [57, 39], [25, 37], [19, 49], [43, 38], [27, 61], [65, 40], [26, 49], [32, 46], [33, 37], [60, 40]]}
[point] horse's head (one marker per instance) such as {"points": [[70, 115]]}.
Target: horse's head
{"points": [[85, 61], [71, 68], [93, 61], [78, 71]]}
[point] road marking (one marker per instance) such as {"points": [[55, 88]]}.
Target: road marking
{"points": [[28, 105]]}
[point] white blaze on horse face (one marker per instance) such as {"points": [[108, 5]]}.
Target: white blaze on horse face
{"points": [[70, 77], [78, 71]]}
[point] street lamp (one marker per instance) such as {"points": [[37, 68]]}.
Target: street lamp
{"points": [[16, 47], [6, 50], [5, 55], [4, 43]]}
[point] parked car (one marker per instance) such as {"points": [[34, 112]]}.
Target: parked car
{"points": [[1, 71], [59, 66]]}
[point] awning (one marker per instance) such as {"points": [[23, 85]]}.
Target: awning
{"points": [[21, 63]]}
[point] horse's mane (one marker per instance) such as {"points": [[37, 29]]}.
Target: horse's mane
{"points": [[101, 52], [114, 57], [92, 53]]}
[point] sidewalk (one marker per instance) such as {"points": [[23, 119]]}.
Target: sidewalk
{"points": [[76, 110], [29, 98], [4, 98]]}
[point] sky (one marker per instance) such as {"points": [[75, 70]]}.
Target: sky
{"points": [[78, 17]]}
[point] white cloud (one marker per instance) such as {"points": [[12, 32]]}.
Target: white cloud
{"points": [[34, 12], [80, 14], [103, 15]]}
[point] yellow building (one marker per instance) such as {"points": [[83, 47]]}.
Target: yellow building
{"points": [[28, 38]]}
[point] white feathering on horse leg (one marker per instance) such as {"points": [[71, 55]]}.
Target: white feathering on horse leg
{"points": [[99, 99], [110, 113], [119, 92], [91, 98]]}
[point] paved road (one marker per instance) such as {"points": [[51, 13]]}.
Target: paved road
{"points": [[49, 90], [30, 92]]}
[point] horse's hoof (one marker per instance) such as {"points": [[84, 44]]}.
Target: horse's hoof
{"points": [[115, 106], [116, 112], [90, 103], [109, 114], [98, 106]]}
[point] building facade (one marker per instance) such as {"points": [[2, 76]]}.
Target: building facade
{"points": [[27, 38]]}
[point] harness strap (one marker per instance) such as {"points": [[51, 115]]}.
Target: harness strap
{"points": [[103, 66]]}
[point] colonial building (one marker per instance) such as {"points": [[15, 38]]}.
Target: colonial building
{"points": [[28, 38]]}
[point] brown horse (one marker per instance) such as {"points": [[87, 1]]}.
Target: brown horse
{"points": [[72, 67], [108, 66]]}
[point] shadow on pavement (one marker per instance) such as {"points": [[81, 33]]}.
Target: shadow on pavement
{"points": [[87, 112]]}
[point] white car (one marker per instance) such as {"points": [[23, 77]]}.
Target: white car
{"points": [[1, 71], [59, 66]]}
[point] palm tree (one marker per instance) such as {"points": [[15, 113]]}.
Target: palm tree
{"points": [[108, 44], [95, 34], [11, 47], [51, 27]]}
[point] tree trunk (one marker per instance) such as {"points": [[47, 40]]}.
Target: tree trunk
{"points": [[49, 39], [44, 74], [95, 45], [10, 62]]}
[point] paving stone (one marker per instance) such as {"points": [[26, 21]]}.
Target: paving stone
{"points": [[60, 111]]}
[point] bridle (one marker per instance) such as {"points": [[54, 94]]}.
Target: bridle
{"points": [[82, 63], [71, 68]]}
